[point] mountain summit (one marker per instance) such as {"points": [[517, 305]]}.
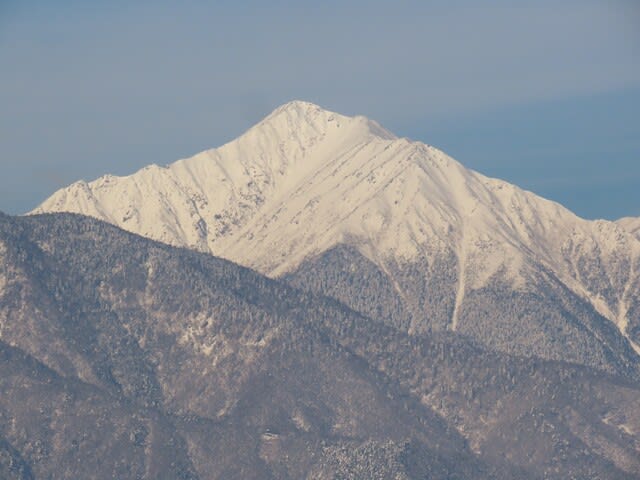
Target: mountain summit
{"points": [[330, 201], [201, 201]]}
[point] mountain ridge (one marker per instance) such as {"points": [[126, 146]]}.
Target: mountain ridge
{"points": [[305, 180], [631, 224], [196, 367]]}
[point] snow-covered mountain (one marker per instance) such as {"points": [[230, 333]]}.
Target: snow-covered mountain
{"points": [[631, 224], [454, 247], [196, 368]]}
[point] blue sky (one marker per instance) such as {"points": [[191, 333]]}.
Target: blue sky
{"points": [[544, 94]]}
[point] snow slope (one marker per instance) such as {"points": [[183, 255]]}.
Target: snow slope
{"points": [[631, 224], [304, 180]]}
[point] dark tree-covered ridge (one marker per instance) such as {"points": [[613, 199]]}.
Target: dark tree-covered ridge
{"points": [[123, 357]]}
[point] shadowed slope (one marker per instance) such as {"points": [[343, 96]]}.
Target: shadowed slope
{"points": [[251, 378]]}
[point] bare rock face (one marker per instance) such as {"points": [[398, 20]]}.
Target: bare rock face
{"points": [[123, 357]]}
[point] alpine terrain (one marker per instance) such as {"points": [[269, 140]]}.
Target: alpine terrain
{"points": [[396, 230], [122, 357], [632, 224]]}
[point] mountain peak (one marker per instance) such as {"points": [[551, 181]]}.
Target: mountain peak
{"points": [[301, 119], [299, 106], [305, 180]]}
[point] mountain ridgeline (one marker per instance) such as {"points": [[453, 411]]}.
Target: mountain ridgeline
{"points": [[123, 357], [310, 195], [317, 299]]}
